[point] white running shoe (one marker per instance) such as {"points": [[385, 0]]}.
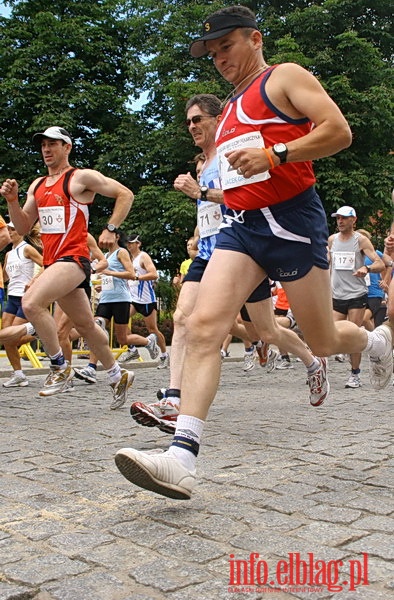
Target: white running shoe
{"points": [[354, 381], [87, 374], [164, 362], [129, 355], [160, 473], [249, 361], [152, 346], [16, 381], [119, 389], [57, 381], [162, 414], [381, 369], [284, 365], [319, 385]]}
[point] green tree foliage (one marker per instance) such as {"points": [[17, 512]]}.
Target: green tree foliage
{"points": [[84, 65]]}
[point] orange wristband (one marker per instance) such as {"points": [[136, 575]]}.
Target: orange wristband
{"points": [[270, 159]]}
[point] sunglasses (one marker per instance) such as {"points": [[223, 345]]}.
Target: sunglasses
{"points": [[197, 119]]}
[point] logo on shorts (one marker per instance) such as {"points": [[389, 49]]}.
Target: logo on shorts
{"points": [[285, 274]]}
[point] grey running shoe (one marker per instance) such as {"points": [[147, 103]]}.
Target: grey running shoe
{"points": [[119, 389], [87, 374], [160, 473], [319, 385], [56, 381], [273, 356], [152, 346], [16, 381], [340, 357], [284, 365], [249, 361], [129, 355], [381, 369], [164, 362], [354, 381]]}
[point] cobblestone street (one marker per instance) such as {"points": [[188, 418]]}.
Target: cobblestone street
{"points": [[276, 477]]}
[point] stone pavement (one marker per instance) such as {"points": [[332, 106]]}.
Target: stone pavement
{"points": [[277, 478]]}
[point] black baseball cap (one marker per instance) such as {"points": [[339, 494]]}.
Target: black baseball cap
{"points": [[216, 26]]}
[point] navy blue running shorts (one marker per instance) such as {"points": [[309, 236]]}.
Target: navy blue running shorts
{"points": [[285, 239], [196, 270], [14, 307]]}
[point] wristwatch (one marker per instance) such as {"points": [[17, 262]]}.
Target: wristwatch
{"points": [[203, 192], [368, 268], [281, 151], [110, 227]]}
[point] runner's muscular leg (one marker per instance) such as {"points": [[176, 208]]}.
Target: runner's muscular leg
{"points": [[58, 279], [310, 301], [76, 305], [184, 308], [228, 281]]}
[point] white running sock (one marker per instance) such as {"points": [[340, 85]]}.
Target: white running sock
{"points": [[186, 441]]}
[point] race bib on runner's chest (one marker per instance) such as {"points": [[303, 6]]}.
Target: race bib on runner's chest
{"points": [[344, 261], [228, 175], [107, 283], [52, 219], [209, 218]]}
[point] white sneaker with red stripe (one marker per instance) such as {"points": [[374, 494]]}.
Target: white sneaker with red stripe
{"points": [[162, 414], [319, 385]]}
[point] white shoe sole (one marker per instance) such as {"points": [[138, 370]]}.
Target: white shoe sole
{"points": [[129, 464]]}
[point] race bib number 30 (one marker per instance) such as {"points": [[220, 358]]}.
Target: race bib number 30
{"points": [[228, 175], [52, 219]]}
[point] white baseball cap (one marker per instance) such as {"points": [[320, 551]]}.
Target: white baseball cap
{"points": [[345, 211], [55, 133]]}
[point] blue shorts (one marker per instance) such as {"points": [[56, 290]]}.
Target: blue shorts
{"points": [[14, 307], [286, 239], [196, 270]]}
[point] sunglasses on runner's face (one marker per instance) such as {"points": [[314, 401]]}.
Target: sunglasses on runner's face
{"points": [[197, 119]]}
